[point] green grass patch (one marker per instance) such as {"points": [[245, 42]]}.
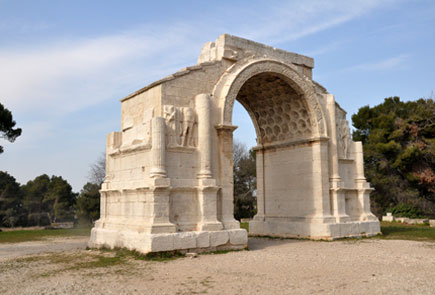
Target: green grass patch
{"points": [[399, 231], [37, 235], [132, 254], [99, 261], [390, 231], [244, 225]]}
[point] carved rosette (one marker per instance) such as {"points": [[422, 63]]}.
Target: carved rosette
{"points": [[280, 113], [300, 84]]}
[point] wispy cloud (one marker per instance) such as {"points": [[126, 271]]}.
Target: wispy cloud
{"points": [[324, 49], [67, 75], [294, 20], [385, 64]]}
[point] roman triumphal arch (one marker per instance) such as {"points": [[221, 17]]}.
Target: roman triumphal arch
{"points": [[169, 171]]}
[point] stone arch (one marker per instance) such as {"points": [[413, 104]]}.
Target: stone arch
{"points": [[161, 196], [228, 87]]}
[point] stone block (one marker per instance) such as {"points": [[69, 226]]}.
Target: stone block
{"points": [[238, 236], [218, 238], [185, 240], [402, 219], [203, 240], [422, 221], [432, 222], [161, 242], [364, 227], [389, 217]]}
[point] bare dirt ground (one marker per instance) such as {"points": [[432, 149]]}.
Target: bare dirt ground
{"points": [[271, 266]]}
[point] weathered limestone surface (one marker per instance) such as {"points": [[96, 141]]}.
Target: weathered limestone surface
{"points": [[169, 181]]}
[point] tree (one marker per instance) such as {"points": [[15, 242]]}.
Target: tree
{"points": [[11, 201], [59, 200], [48, 200], [399, 154], [88, 203], [245, 181], [34, 193], [98, 170], [7, 125]]}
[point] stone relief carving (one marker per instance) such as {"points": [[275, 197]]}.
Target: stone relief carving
{"points": [[187, 138], [171, 115], [146, 133], [343, 138], [180, 126]]}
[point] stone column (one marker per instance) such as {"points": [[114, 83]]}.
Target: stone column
{"points": [[225, 151], [359, 163], [362, 185], [202, 102], [160, 185], [320, 182], [259, 154], [207, 188], [207, 197], [337, 194], [334, 176], [338, 205], [158, 151]]}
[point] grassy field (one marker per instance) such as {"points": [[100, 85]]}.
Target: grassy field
{"points": [[37, 235], [390, 231], [396, 231], [399, 231]]}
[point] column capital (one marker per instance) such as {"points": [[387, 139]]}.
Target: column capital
{"points": [[225, 128]]}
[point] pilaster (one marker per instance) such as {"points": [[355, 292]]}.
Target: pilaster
{"points": [[225, 138]]}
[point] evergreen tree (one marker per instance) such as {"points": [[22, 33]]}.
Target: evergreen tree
{"points": [[59, 200], [11, 202], [48, 200], [34, 194], [7, 125], [245, 182], [399, 154], [88, 203]]}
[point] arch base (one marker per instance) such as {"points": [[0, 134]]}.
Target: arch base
{"points": [[315, 231]]}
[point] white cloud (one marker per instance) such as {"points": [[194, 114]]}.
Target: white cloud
{"points": [[71, 74], [324, 49], [67, 75], [294, 20]]}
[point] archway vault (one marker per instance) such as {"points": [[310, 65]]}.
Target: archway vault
{"points": [[229, 86]]}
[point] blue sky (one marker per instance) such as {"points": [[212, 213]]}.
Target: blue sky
{"points": [[64, 65]]}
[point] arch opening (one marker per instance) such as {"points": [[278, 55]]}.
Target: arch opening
{"points": [[280, 115], [278, 112]]}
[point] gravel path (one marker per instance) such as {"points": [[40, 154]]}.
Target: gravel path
{"points": [[49, 245], [270, 267]]}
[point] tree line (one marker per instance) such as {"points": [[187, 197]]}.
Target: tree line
{"points": [[46, 200]]}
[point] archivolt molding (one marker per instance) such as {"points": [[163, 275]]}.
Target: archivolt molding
{"points": [[227, 88]]}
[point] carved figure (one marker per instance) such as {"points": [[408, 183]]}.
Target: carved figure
{"points": [[172, 123], [344, 137], [188, 125]]}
